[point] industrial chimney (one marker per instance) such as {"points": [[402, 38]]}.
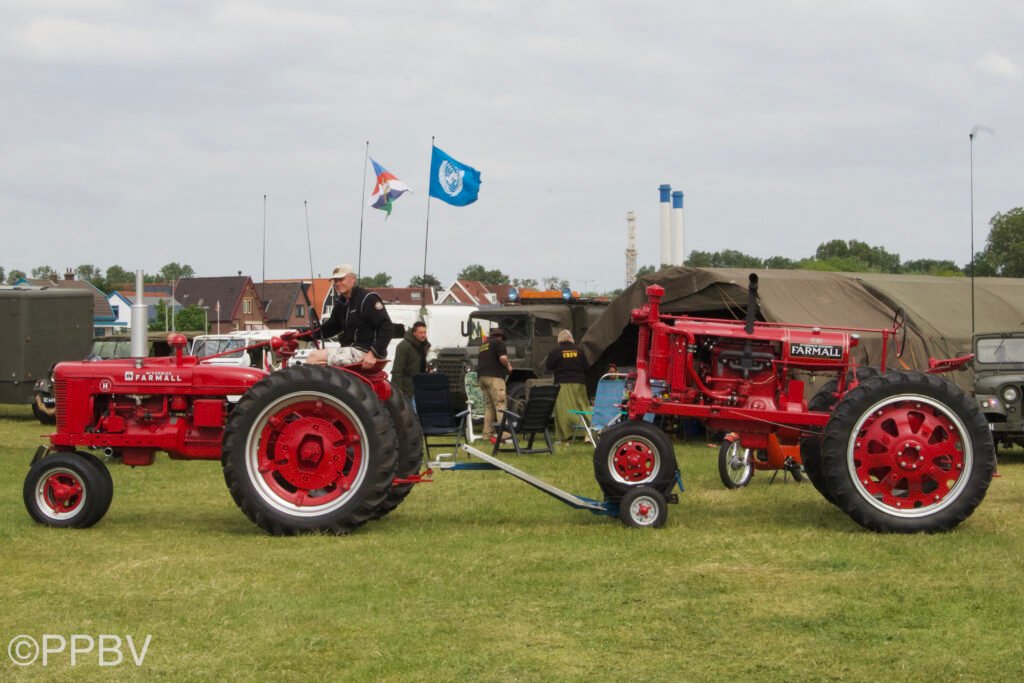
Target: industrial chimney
{"points": [[678, 253], [630, 248], [666, 230]]}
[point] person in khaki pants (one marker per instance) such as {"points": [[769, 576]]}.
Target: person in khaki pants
{"points": [[493, 366]]}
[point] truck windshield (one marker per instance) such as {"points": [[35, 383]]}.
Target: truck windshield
{"points": [[211, 347], [518, 327], [1008, 350]]}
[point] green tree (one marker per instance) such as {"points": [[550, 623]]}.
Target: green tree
{"points": [[427, 280], [982, 266], [727, 258], [43, 273], [481, 274], [780, 263], [119, 278], [552, 282], [524, 283], [3, 276], [852, 256], [648, 270], [91, 274], [929, 266], [189, 319], [173, 271], [378, 280], [14, 276], [1004, 247]]}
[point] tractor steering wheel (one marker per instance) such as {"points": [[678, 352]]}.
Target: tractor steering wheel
{"points": [[899, 331]]}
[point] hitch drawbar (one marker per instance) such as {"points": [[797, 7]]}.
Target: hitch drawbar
{"points": [[641, 506]]}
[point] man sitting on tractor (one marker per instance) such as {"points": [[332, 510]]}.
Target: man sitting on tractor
{"points": [[361, 321]]}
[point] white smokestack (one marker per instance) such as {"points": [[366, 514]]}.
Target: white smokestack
{"points": [[140, 320], [678, 253], [666, 229], [630, 248]]}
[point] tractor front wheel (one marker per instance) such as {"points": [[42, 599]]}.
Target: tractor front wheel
{"points": [[907, 452], [735, 466], [68, 490], [309, 449], [631, 454]]}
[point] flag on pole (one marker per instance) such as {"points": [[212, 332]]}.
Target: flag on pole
{"points": [[453, 181], [387, 189]]}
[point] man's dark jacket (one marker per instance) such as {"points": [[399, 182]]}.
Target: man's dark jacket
{"points": [[410, 358], [361, 321]]}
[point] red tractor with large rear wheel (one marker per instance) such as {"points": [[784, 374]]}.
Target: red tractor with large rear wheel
{"points": [[303, 449], [897, 451]]}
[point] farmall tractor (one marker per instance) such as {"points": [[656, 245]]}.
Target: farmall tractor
{"points": [[896, 451], [303, 449]]}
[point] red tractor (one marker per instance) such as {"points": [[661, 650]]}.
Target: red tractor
{"points": [[303, 449], [896, 451]]}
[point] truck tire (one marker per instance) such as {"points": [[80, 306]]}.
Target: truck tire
{"points": [[634, 453], [69, 490], [309, 449], [515, 397], [810, 447], [907, 452], [410, 450]]}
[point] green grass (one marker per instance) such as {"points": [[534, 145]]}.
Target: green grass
{"points": [[479, 577]]}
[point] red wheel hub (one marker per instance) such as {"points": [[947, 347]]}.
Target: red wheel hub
{"points": [[908, 455], [310, 453], [635, 461], [62, 492]]}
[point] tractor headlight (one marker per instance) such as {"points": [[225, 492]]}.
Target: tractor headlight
{"points": [[1010, 394]]}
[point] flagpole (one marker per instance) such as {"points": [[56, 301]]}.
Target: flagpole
{"points": [[263, 285], [362, 210], [426, 236]]}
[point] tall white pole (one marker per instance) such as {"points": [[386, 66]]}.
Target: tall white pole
{"points": [[630, 248], [666, 230]]}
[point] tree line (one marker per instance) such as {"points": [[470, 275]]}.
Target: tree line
{"points": [[107, 282]]}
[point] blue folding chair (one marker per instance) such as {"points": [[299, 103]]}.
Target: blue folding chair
{"points": [[611, 391]]}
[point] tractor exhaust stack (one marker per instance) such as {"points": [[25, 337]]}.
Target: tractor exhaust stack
{"points": [[140, 322]]}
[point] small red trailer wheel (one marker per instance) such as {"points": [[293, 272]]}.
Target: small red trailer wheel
{"points": [[907, 452], [643, 507], [735, 464], [68, 490]]}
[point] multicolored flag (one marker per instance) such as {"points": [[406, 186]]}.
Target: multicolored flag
{"points": [[453, 181], [387, 190]]}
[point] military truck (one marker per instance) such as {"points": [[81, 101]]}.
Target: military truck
{"points": [[533, 326], [39, 328], [999, 384]]}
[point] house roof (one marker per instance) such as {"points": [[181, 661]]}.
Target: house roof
{"points": [[405, 295], [475, 293], [100, 306], [207, 291], [280, 298]]}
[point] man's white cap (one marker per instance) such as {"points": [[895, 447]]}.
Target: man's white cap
{"points": [[343, 270]]}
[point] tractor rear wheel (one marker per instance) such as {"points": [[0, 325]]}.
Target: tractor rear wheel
{"points": [[631, 454], [68, 490], [643, 507], [309, 449], [907, 452], [735, 464], [410, 449]]}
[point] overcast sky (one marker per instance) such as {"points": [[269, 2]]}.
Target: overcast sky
{"points": [[138, 133]]}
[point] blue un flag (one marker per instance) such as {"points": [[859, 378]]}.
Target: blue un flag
{"points": [[453, 181]]}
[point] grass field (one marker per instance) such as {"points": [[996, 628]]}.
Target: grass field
{"points": [[479, 577]]}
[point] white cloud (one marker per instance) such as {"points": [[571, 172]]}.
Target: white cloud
{"points": [[998, 65]]}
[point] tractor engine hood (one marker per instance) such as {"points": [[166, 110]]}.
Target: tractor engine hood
{"points": [[157, 376]]}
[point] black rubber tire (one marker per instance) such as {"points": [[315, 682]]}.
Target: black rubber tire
{"points": [[515, 397], [79, 469], [410, 450], [352, 396], [731, 479], [643, 507], [937, 396], [810, 447], [40, 411], [649, 439]]}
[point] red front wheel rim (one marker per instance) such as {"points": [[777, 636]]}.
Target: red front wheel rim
{"points": [[909, 456], [633, 460], [60, 493]]}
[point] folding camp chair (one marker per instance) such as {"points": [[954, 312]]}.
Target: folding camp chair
{"points": [[534, 420], [434, 409], [611, 389], [474, 404]]}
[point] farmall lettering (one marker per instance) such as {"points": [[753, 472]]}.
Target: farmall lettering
{"points": [[149, 376], [816, 351]]}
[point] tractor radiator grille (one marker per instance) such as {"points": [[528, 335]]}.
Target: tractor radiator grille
{"points": [[60, 393]]}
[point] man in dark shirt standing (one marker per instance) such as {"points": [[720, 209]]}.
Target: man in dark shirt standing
{"points": [[493, 366], [359, 319], [570, 370]]}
